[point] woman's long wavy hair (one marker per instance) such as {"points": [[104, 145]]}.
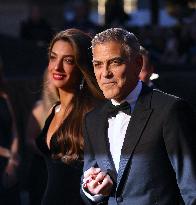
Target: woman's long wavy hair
{"points": [[69, 135]]}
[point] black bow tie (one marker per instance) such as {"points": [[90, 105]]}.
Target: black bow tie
{"points": [[113, 110]]}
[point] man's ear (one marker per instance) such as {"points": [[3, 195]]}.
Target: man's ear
{"points": [[139, 63]]}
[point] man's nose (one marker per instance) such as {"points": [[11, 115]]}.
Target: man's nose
{"points": [[106, 70]]}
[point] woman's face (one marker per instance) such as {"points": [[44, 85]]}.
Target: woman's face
{"points": [[62, 69]]}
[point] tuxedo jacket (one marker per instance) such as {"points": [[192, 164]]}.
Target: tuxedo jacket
{"points": [[157, 162]]}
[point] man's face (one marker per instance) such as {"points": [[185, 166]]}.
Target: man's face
{"points": [[116, 74], [146, 71]]}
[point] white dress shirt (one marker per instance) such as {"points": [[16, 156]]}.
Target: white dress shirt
{"points": [[118, 125]]}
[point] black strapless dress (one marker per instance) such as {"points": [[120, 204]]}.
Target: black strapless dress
{"points": [[63, 185]]}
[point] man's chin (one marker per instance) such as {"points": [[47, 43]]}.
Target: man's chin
{"points": [[109, 95]]}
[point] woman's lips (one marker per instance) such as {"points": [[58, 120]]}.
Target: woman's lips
{"points": [[58, 76]]}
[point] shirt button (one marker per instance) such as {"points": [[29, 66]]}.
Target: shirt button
{"points": [[119, 199]]}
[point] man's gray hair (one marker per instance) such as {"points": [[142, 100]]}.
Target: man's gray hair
{"points": [[128, 40]]}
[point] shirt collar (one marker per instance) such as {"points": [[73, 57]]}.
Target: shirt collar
{"points": [[132, 97]]}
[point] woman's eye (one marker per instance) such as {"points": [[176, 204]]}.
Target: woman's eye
{"points": [[69, 61]]}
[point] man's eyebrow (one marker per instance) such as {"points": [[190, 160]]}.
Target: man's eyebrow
{"points": [[52, 52], [117, 58], [109, 60], [96, 61]]}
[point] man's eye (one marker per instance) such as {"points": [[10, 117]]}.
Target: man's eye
{"points": [[52, 57], [97, 65], [117, 62]]}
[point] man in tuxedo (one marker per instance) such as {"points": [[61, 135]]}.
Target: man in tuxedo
{"points": [[139, 144]]}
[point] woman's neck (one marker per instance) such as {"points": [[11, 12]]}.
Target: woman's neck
{"points": [[66, 98]]}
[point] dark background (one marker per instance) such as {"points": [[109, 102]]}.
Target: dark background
{"points": [[25, 59]]}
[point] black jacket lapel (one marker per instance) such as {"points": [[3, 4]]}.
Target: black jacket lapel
{"points": [[136, 125]]}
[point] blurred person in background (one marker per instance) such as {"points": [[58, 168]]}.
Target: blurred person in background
{"points": [[114, 14], [81, 17], [36, 28], [147, 74], [61, 140], [9, 153], [172, 53], [38, 177]]}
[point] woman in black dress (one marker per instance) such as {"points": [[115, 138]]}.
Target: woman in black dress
{"points": [[9, 145], [61, 141]]}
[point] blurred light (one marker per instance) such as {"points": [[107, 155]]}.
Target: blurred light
{"points": [[101, 11], [154, 76], [192, 5], [130, 6]]}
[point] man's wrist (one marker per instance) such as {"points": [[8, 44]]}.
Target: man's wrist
{"points": [[94, 198]]}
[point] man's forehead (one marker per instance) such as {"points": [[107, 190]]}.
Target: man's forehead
{"points": [[107, 50], [107, 57]]}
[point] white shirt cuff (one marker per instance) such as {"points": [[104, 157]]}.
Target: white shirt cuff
{"points": [[94, 198]]}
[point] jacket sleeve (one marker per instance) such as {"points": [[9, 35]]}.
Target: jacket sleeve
{"points": [[89, 161], [179, 136]]}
